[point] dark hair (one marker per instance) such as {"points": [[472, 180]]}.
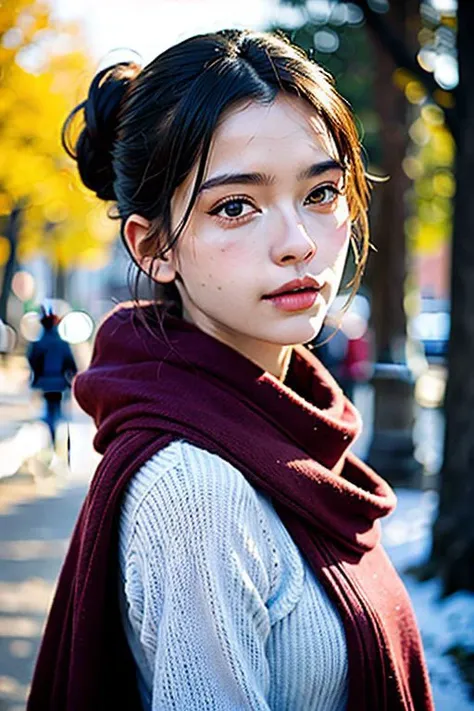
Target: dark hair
{"points": [[145, 129], [47, 318]]}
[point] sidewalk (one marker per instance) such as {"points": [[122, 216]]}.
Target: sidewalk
{"points": [[23, 436], [33, 535], [38, 508]]}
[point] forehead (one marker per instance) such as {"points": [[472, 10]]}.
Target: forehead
{"points": [[289, 130]]}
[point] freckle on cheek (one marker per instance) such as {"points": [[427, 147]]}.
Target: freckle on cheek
{"points": [[203, 283], [219, 288]]}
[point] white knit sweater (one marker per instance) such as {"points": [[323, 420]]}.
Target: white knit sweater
{"points": [[220, 609]]}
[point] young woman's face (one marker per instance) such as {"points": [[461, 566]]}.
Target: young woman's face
{"points": [[271, 209]]}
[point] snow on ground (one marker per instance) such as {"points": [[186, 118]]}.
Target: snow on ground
{"points": [[443, 623]]}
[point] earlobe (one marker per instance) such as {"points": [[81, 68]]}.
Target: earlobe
{"points": [[136, 233], [162, 271]]}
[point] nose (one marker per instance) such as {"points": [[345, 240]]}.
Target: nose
{"points": [[295, 244]]}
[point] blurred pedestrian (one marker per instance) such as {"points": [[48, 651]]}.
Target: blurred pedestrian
{"points": [[53, 368], [228, 553], [357, 364], [343, 346]]}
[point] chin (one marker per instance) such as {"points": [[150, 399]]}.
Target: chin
{"points": [[299, 333]]}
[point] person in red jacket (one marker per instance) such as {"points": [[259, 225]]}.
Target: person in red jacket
{"points": [[357, 362]]}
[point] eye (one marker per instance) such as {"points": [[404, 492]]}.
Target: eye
{"points": [[323, 195], [233, 209]]}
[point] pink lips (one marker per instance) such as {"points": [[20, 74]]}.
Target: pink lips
{"points": [[306, 282], [286, 298]]}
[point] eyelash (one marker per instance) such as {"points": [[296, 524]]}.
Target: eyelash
{"points": [[245, 201]]}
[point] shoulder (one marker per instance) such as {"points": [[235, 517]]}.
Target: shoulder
{"points": [[124, 314], [182, 475], [187, 501]]}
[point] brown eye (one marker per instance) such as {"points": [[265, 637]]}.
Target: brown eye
{"points": [[324, 195]]}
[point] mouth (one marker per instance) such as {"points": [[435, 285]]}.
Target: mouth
{"points": [[297, 295], [307, 285], [292, 292]]}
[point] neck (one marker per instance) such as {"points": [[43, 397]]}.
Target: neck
{"points": [[271, 357]]}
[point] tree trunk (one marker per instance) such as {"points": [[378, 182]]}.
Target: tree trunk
{"points": [[392, 451], [452, 555], [388, 265], [60, 280], [11, 233]]}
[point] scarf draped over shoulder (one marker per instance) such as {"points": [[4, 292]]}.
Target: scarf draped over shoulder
{"points": [[152, 381]]}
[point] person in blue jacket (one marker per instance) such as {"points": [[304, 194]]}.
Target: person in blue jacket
{"points": [[53, 367]]}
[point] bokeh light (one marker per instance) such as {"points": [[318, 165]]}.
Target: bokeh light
{"points": [[360, 305], [430, 388], [413, 167], [444, 184], [76, 327], [326, 40], [446, 72], [30, 327], [23, 286], [354, 325], [432, 115], [8, 338], [415, 92]]}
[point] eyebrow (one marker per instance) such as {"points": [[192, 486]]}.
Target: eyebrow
{"points": [[263, 179], [318, 169]]}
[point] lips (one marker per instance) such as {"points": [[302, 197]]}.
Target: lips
{"points": [[295, 286]]}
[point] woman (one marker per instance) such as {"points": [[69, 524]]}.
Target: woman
{"points": [[227, 555]]}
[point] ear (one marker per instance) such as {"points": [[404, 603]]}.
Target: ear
{"points": [[136, 233]]}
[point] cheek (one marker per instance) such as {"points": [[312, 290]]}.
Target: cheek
{"points": [[341, 256], [342, 225], [228, 250], [342, 240], [210, 266], [333, 244]]}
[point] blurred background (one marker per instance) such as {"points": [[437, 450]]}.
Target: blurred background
{"points": [[403, 351]]}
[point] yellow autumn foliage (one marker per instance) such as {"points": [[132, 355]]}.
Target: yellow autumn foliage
{"points": [[430, 166], [44, 73]]}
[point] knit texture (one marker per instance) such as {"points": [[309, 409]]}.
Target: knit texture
{"points": [[220, 609]]}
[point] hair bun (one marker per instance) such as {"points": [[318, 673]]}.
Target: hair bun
{"points": [[93, 148]]}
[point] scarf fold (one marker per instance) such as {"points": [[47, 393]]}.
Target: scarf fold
{"points": [[150, 383]]}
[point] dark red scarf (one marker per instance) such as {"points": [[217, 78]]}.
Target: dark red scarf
{"points": [[147, 386]]}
